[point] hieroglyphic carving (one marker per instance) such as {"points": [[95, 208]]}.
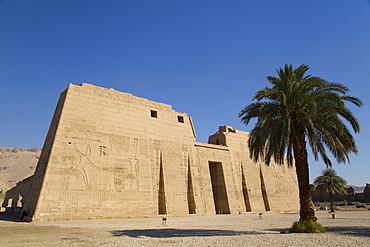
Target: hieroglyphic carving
{"points": [[132, 177], [79, 163], [279, 176], [81, 159], [234, 175], [119, 173], [103, 150], [126, 170]]}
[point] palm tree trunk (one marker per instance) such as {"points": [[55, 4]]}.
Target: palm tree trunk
{"points": [[331, 201], [307, 211]]}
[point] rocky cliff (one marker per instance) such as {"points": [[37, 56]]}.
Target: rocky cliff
{"points": [[16, 164]]}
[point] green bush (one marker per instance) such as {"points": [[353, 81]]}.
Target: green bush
{"points": [[307, 226]]}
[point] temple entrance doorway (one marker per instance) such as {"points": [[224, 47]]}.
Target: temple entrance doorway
{"points": [[219, 188]]}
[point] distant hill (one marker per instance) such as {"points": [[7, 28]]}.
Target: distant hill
{"points": [[16, 164], [358, 189]]}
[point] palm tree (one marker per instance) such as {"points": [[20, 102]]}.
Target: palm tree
{"points": [[296, 109], [330, 183]]}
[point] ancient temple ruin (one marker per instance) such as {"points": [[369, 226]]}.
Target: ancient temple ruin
{"points": [[110, 154]]}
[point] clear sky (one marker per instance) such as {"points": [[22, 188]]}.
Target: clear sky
{"points": [[206, 58]]}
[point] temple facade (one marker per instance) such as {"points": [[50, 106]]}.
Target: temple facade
{"points": [[109, 154]]}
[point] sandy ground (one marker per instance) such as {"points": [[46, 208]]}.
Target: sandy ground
{"points": [[350, 228]]}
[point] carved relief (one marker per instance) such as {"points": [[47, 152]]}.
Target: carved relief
{"points": [[80, 167], [280, 178], [127, 169], [103, 150]]}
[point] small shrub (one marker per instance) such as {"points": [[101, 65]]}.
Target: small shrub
{"points": [[307, 226]]}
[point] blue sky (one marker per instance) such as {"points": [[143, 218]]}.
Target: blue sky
{"points": [[205, 58]]}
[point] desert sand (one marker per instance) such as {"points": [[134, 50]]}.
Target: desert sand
{"points": [[350, 228]]}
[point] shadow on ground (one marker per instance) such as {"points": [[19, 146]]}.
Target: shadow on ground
{"points": [[360, 231], [172, 232], [9, 217]]}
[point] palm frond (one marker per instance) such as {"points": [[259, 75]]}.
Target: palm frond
{"points": [[297, 102]]}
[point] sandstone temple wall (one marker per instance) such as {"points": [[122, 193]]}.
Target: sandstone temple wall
{"points": [[110, 154]]}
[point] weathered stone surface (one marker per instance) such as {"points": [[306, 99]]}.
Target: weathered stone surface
{"points": [[110, 154]]}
